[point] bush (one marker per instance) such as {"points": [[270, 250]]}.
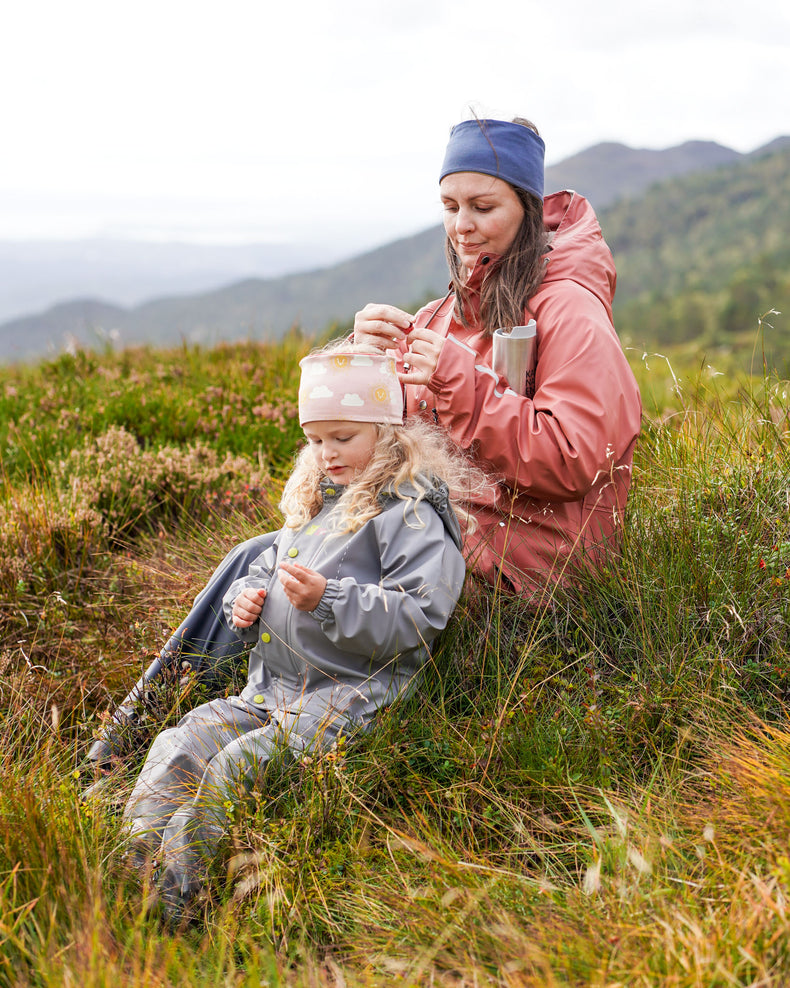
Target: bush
{"points": [[134, 489]]}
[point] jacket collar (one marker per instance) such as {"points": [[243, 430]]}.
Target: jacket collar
{"points": [[329, 491], [485, 262]]}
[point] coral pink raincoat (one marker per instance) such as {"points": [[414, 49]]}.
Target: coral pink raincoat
{"points": [[560, 461]]}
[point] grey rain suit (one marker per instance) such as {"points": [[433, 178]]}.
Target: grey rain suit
{"points": [[391, 588]]}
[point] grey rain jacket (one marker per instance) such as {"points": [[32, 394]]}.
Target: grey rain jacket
{"points": [[391, 588]]}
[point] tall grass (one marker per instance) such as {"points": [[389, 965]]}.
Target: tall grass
{"points": [[591, 792]]}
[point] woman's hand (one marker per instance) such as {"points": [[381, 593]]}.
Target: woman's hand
{"points": [[425, 345], [303, 587], [247, 607], [382, 326]]}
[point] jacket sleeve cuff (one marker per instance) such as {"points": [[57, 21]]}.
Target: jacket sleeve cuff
{"points": [[446, 369], [247, 635], [323, 609]]}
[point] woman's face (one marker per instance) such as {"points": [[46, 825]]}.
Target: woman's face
{"points": [[341, 450], [482, 214]]}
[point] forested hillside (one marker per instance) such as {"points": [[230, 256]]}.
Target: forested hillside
{"points": [[701, 258]]}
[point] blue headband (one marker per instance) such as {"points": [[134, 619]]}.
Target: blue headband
{"points": [[505, 150]]}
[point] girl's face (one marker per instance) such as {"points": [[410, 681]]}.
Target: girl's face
{"points": [[482, 214], [341, 450]]}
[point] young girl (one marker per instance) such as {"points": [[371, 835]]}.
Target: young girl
{"points": [[342, 607]]}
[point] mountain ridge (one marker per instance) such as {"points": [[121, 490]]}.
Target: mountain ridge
{"points": [[403, 271]]}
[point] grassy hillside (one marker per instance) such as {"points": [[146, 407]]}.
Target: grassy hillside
{"points": [[589, 791]]}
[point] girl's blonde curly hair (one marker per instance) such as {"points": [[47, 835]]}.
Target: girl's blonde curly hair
{"points": [[406, 458]]}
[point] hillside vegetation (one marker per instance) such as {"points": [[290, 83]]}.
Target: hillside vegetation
{"points": [[700, 259], [589, 789]]}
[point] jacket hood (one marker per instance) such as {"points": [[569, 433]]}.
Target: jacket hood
{"points": [[432, 491], [577, 251], [436, 493]]}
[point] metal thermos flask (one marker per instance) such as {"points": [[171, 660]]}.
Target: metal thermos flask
{"points": [[515, 356]]}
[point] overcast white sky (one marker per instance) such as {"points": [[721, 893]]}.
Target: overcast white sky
{"points": [[321, 121]]}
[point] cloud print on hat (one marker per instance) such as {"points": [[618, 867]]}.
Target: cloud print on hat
{"points": [[352, 399]]}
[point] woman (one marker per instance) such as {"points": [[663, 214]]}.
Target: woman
{"points": [[560, 459]]}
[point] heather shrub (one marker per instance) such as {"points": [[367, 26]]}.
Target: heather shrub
{"points": [[48, 537], [133, 489], [237, 398]]}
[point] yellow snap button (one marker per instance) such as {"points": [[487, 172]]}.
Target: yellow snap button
{"points": [[330, 491], [266, 637], [293, 551], [258, 698], [423, 405]]}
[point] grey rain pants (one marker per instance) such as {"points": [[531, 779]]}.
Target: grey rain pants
{"points": [[193, 774]]}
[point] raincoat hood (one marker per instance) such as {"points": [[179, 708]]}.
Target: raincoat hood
{"points": [[576, 250]]}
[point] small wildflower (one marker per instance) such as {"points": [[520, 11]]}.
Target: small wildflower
{"points": [[761, 564]]}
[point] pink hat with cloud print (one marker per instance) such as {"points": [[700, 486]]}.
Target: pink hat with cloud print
{"points": [[349, 386]]}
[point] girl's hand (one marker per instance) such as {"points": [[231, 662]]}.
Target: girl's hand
{"points": [[247, 607], [303, 587], [425, 345], [383, 326]]}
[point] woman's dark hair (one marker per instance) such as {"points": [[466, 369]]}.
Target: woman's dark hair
{"points": [[508, 287]]}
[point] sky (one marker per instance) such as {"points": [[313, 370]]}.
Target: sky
{"points": [[321, 122]]}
